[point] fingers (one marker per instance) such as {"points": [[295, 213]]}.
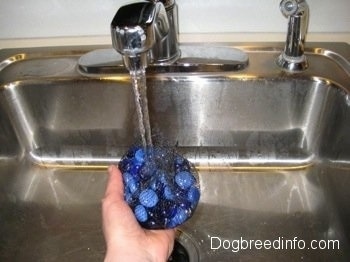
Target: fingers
{"points": [[162, 243], [112, 200], [114, 206], [171, 238], [121, 226], [170, 234], [115, 183], [116, 213]]}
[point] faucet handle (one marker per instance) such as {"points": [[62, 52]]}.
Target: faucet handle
{"points": [[135, 26]]}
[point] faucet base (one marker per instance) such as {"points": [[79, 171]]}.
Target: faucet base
{"points": [[167, 61], [293, 64], [189, 59]]}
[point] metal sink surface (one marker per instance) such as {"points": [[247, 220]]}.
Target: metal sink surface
{"points": [[272, 149]]}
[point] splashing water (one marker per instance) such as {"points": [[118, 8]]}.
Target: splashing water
{"points": [[160, 186], [138, 80]]}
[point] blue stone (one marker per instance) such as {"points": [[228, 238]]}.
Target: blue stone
{"points": [[127, 195], [169, 210], [141, 213], [168, 193], [155, 185], [148, 169], [171, 224], [184, 179], [127, 177], [186, 205], [182, 164], [132, 187], [180, 217], [135, 168], [193, 195], [148, 198], [162, 177], [179, 160], [130, 182], [180, 194], [140, 156]]}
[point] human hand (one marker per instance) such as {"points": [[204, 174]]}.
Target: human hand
{"points": [[126, 240]]}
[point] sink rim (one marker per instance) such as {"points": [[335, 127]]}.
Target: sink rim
{"points": [[295, 186], [254, 72]]}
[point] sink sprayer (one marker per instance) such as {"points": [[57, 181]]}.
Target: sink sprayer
{"points": [[293, 57]]}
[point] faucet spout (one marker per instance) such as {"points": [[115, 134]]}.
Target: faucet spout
{"points": [[139, 31], [293, 57]]}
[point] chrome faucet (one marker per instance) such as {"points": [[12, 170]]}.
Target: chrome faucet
{"points": [[293, 57], [146, 32]]}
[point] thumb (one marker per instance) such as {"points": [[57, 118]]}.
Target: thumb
{"points": [[116, 213], [115, 187]]}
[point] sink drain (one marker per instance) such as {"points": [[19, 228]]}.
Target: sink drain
{"points": [[185, 249]]}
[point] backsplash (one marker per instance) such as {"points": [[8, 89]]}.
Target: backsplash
{"points": [[66, 18]]}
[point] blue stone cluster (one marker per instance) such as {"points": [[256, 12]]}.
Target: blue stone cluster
{"points": [[160, 186]]}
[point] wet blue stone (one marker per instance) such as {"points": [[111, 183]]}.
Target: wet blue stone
{"points": [[169, 210], [132, 187], [180, 217], [155, 184], [162, 177], [171, 224], [184, 179], [135, 168], [185, 204], [180, 194], [182, 164], [127, 177], [147, 170], [148, 198], [168, 193], [127, 195], [130, 182], [193, 195], [179, 160], [140, 156], [141, 213]]}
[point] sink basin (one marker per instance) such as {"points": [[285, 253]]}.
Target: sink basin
{"points": [[272, 149]]}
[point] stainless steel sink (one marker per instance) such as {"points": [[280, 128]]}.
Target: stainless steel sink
{"points": [[272, 149]]}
